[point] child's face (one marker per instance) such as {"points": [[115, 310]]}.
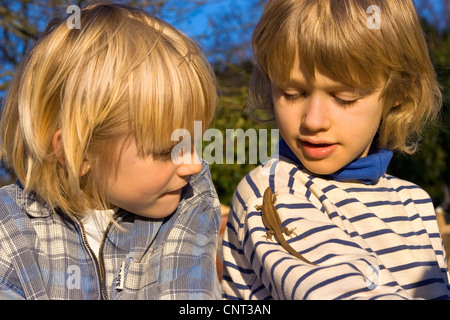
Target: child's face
{"points": [[326, 124], [148, 186]]}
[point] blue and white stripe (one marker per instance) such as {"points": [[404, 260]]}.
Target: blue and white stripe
{"points": [[377, 241]]}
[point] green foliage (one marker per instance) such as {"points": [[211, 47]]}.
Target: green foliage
{"points": [[232, 114], [429, 167]]}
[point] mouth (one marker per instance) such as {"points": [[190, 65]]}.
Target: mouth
{"points": [[317, 150]]}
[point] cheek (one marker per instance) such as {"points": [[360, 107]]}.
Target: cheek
{"points": [[141, 179], [373, 118], [287, 118], [152, 181], [368, 117]]}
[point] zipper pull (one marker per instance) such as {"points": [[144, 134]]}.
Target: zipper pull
{"points": [[120, 279]]}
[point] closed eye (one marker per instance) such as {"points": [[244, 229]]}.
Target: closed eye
{"points": [[345, 103], [293, 97], [164, 155]]}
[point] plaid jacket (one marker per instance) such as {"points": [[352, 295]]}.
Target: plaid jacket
{"points": [[44, 255]]}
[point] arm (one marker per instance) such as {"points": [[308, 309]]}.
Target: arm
{"points": [[10, 288], [272, 222], [20, 276], [257, 269]]}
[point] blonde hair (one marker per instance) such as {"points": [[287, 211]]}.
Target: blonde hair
{"points": [[334, 38], [124, 73]]}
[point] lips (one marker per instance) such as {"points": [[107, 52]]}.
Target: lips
{"points": [[317, 149]]}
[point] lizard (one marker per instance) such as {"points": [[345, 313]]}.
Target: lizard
{"points": [[272, 221]]}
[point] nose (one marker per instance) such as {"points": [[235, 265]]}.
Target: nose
{"points": [[316, 115], [191, 164]]}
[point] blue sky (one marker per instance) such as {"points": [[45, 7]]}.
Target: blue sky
{"points": [[196, 23]]}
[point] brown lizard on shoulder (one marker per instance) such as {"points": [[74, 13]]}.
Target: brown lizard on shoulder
{"points": [[272, 222]]}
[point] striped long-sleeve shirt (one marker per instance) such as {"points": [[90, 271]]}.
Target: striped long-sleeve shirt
{"points": [[367, 240]]}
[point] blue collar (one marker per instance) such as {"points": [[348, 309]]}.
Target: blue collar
{"points": [[368, 169]]}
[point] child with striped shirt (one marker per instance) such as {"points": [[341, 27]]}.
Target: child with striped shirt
{"points": [[346, 87]]}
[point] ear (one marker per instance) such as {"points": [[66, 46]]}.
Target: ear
{"points": [[57, 145], [386, 110], [84, 168], [398, 103]]}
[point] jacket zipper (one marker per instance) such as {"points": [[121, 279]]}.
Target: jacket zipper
{"points": [[98, 261]]}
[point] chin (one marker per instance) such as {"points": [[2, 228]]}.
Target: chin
{"points": [[161, 208], [321, 168]]}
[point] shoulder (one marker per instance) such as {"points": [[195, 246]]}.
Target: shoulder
{"points": [[278, 174], [281, 175], [412, 194], [7, 192], [201, 183], [199, 201], [199, 190], [408, 189], [19, 203], [11, 202], [17, 212], [250, 188]]}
